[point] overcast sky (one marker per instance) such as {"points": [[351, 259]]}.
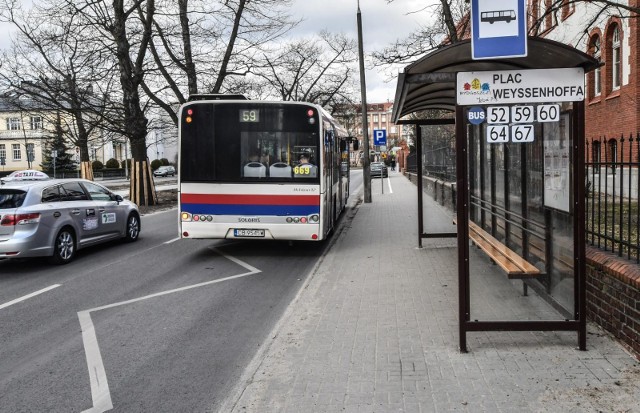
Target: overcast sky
{"points": [[382, 24]]}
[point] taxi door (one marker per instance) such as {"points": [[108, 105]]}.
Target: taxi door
{"points": [[112, 218]]}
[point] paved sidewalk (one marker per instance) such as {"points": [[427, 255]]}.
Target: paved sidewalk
{"points": [[375, 330]]}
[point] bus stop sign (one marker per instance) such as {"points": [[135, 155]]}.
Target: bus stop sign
{"points": [[498, 29]]}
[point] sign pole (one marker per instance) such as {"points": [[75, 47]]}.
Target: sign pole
{"points": [[365, 126]]}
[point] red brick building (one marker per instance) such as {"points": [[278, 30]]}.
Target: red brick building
{"points": [[613, 96]]}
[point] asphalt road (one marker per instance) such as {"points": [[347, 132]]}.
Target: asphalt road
{"points": [[160, 325]]}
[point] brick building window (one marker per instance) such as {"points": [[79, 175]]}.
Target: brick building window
{"points": [[595, 156], [612, 156], [596, 78], [545, 15], [567, 8], [616, 67]]}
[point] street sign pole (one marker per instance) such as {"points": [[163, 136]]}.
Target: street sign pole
{"points": [[365, 130]]}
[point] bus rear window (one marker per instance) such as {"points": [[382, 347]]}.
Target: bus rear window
{"points": [[249, 142]]}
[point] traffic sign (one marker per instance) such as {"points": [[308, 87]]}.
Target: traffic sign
{"points": [[498, 29], [379, 136]]}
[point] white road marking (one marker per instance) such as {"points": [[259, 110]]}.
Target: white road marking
{"points": [[171, 241], [100, 394], [26, 297]]}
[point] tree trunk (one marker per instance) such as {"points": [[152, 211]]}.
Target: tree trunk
{"points": [[141, 184], [86, 171]]}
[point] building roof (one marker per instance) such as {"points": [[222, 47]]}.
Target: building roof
{"points": [[430, 82]]}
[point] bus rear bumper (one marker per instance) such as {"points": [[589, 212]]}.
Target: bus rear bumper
{"points": [[292, 232]]}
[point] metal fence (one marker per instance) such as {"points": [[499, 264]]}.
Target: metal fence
{"points": [[437, 162], [612, 188]]}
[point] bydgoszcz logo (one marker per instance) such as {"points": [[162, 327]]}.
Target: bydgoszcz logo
{"points": [[476, 87]]}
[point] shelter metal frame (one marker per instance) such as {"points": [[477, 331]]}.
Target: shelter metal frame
{"points": [[429, 83], [418, 123]]}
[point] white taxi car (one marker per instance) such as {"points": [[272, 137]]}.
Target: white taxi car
{"points": [[57, 217]]}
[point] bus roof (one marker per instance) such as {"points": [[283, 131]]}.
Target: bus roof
{"points": [[216, 96]]}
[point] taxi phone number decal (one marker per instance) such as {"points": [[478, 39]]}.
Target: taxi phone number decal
{"points": [[109, 218]]}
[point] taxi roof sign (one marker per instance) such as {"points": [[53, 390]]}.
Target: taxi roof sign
{"points": [[26, 175]]}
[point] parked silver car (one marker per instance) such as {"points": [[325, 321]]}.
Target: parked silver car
{"points": [[55, 218], [379, 169], [165, 171]]}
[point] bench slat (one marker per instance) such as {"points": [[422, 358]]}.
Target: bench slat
{"points": [[514, 265], [522, 265]]}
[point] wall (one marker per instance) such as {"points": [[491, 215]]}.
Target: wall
{"points": [[441, 191], [613, 297]]}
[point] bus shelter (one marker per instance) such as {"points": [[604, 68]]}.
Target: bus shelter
{"points": [[520, 192]]}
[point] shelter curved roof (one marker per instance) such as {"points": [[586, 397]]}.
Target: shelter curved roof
{"points": [[430, 82]]}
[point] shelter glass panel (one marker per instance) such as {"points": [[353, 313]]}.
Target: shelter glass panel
{"points": [[519, 201]]}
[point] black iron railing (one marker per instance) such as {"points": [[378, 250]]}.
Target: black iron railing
{"points": [[612, 190]]}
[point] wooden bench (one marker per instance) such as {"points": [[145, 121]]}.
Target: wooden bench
{"points": [[513, 264]]}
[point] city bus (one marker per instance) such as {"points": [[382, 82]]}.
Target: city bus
{"points": [[267, 170]]}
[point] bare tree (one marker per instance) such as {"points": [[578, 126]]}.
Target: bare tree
{"points": [[50, 68], [204, 45], [123, 29], [319, 70], [599, 10], [450, 24]]}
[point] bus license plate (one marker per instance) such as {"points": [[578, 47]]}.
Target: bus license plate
{"points": [[248, 232]]}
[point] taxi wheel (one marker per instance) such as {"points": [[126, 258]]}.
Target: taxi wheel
{"points": [[133, 228], [65, 247]]}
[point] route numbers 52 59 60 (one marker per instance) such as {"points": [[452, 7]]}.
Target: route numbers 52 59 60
{"points": [[500, 115]]}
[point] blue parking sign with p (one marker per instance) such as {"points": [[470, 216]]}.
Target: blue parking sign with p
{"points": [[379, 137]]}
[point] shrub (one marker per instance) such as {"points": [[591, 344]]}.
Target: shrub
{"points": [[155, 164], [96, 165], [126, 164], [165, 162], [113, 163]]}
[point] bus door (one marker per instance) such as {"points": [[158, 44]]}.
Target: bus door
{"points": [[329, 176]]}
